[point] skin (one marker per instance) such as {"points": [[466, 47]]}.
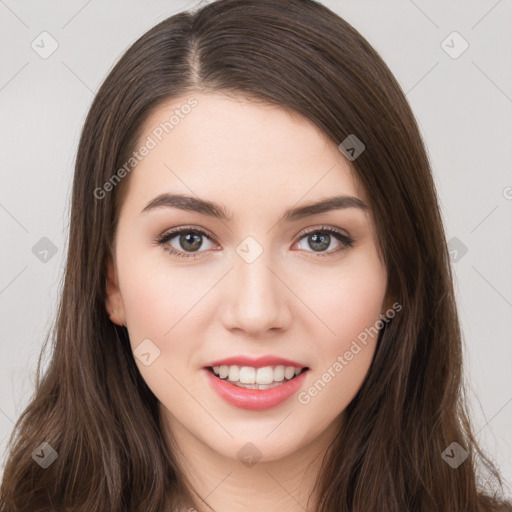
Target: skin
{"points": [[257, 161]]}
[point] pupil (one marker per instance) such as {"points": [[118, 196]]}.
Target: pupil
{"points": [[319, 241], [191, 238]]}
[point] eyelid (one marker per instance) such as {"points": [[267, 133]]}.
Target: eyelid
{"points": [[346, 240], [176, 231], [314, 229], [342, 236], [162, 240]]}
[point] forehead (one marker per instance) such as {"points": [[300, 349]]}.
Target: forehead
{"points": [[248, 151]]}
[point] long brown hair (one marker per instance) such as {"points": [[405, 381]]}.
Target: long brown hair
{"points": [[92, 406]]}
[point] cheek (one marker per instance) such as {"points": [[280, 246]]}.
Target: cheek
{"points": [[349, 306], [159, 306], [157, 298], [346, 300]]}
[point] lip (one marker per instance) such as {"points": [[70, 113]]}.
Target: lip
{"points": [[254, 399], [258, 362]]}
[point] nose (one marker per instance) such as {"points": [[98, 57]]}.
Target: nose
{"points": [[257, 300]]}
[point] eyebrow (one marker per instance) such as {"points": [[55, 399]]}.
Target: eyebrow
{"points": [[194, 204]]}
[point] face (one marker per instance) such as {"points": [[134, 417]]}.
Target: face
{"points": [[257, 275]]}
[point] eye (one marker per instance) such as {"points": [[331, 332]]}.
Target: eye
{"points": [[185, 242], [323, 238]]}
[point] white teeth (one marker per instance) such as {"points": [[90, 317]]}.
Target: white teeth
{"points": [[262, 377], [234, 373], [247, 375], [223, 371], [279, 373], [256, 386], [289, 372]]}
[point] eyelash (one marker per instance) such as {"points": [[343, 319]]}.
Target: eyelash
{"points": [[346, 241]]}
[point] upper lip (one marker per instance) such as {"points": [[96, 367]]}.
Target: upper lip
{"points": [[255, 362]]}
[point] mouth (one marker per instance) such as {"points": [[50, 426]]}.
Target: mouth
{"points": [[256, 378]]}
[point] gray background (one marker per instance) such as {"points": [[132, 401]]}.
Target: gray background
{"points": [[463, 106]]}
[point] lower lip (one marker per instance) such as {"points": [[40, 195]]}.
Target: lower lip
{"points": [[255, 399]]}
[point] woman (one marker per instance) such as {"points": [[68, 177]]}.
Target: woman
{"points": [[258, 308]]}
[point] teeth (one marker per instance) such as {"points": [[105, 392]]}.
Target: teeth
{"points": [[289, 372], [234, 373], [247, 375], [279, 373], [265, 377], [256, 386]]}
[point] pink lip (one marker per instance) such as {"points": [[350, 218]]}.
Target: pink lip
{"points": [[254, 399], [258, 362]]}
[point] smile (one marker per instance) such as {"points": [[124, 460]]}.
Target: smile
{"points": [[256, 378], [255, 389]]}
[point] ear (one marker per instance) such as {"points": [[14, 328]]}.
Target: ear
{"points": [[113, 300]]}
